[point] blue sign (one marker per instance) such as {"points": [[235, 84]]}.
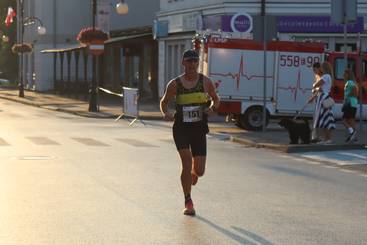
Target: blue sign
{"points": [[160, 28], [241, 22], [315, 24]]}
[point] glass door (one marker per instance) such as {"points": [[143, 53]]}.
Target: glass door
{"points": [[173, 57]]}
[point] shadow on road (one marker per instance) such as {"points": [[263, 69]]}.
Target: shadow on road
{"points": [[237, 238]]}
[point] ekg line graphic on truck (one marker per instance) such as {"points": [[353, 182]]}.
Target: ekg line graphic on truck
{"points": [[294, 89], [241, 73]]}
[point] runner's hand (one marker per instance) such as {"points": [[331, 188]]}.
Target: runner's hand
{"points": [[168, 116], [210, 111]]}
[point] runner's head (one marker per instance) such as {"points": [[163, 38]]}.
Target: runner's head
{"points": [[190, 61]]}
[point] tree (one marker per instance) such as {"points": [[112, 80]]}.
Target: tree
{"points": [[8, 60]]}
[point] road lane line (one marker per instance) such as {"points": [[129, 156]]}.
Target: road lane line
{"points": [[89, 142]]}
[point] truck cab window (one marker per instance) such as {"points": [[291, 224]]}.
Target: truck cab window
{"points": [[339, 67], [350, 47]]}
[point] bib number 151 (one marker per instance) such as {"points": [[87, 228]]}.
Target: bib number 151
{"points": [[192, 113]]}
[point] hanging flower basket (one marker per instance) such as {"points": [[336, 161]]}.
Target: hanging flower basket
{"points": [[19, 48], [89, 36]]}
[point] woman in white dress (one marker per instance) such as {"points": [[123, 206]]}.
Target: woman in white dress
{"points": [[316, 67], [324, 118]]}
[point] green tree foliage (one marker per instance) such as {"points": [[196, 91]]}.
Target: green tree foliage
{"points": [[8, 60]]}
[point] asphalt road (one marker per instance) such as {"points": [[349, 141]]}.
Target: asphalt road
{"points": [[71, 180]]}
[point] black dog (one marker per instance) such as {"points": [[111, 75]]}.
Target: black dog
{"points": [[297, 130]]}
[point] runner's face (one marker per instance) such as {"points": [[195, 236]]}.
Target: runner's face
{"points": [[191, 66]]}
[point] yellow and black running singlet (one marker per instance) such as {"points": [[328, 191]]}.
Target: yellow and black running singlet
{"points": [[190, 103]]}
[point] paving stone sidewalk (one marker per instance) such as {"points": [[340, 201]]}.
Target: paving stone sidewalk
{"points": [[275, 138]]}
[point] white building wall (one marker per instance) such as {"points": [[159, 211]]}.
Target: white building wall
{"points": [[63, 21]]}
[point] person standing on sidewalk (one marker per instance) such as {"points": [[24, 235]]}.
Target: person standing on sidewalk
{"points": [[316, 67], [324, 118], [191, 90], [350, 104]]}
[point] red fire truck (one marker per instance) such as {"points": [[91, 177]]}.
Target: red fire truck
{"points": [[237, 68]]}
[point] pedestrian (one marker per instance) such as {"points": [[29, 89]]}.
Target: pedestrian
{"points": [[323, 117], [350, 104], [190, 90], [316, 67]]}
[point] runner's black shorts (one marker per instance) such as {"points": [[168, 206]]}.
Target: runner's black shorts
{"points": [[190, 138], [349, 112]]}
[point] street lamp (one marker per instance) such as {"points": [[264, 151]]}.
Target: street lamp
{"points": [[41, 31], [5, 38], [121, 8]]}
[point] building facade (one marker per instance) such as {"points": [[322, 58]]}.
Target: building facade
{"points": [[63, 21], [179, 20]]}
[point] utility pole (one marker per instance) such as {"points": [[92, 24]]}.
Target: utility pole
{"points": [[93, 90], [263, 14], [21, 22]]}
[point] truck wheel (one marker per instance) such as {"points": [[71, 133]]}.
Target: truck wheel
{"points": [[252, 119]]}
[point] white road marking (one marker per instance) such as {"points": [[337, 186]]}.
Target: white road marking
{"points": [[328, 166], [348, 171], [342, 158]]}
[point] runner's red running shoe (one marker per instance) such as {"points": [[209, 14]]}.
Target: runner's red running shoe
{"points": [[189, 208]]}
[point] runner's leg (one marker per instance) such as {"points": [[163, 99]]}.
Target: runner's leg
{"points": [[198, 148], [199, 165], [198, 168], [186, 179]]}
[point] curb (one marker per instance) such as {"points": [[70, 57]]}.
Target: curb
{"points": [[297, 148], [277, 147]]}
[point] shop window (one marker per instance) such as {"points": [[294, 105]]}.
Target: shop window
{"points": [[339, 67], [350, 47], [173, 58]]}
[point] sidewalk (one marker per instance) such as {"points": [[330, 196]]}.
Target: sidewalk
{"points": [[110, 106], [275, 138]]}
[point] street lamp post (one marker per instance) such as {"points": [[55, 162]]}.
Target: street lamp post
{"points": [[41, 31], [121, 8], [94, 88], [21, 83]]}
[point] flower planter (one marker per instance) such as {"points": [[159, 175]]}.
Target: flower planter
{"points": [[88, 36], [20, 48]]}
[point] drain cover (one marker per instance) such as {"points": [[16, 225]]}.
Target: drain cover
{"points": [[36, 158]]}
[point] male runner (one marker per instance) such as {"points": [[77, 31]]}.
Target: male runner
{"points": [[191, 90]]}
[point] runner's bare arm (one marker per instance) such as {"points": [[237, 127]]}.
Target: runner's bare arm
{"points": [[210, 89], [168, 96]]}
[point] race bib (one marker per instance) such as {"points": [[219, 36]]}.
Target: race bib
{"points": [[192, 113]]}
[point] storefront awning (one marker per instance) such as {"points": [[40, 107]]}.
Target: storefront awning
{"points": [[119, 39], [60, 50]]}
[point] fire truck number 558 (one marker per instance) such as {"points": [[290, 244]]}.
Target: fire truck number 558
{"points": [[296, 61]]}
